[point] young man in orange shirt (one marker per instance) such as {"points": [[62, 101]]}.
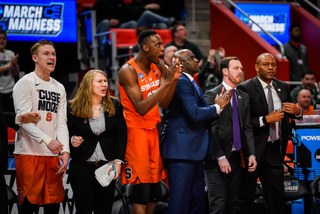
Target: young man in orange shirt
{"points": [[143, 83]]}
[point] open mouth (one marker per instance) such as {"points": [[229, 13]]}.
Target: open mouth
{"points": [[50, 63]]}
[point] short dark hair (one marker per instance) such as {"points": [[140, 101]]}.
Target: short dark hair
{"points": [[224, 63], [309, 72], [35, 47], [145, 34], [174, 28], [293, 26]]}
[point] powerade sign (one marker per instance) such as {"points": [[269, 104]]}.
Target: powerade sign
{"points": [[34, 20], [274, 18]]}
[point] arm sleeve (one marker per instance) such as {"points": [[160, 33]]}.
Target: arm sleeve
{"points": [[121, 135], [248, 132], [217, 149], [189, 104], [22, 96]]}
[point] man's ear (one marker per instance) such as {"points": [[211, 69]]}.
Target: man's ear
{"points": [[256, 66], [145, 48], [225, 72], [35, 58]]}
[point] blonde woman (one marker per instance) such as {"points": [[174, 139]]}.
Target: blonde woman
{"points": [[98, 134]]}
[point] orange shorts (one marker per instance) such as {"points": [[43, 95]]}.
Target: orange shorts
{"points": [[36, 179], [143, 161]]}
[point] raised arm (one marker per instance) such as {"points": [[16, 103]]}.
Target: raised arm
{"points": [[128, 80], [174, 71]]}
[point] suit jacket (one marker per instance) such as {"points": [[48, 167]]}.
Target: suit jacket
{"points": [[259, 107], [6, 120], [222, 128], [187, 128], [113, 140]]}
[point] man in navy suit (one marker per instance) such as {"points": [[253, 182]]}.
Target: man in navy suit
{"points": [[231, 135], [185, 140]]}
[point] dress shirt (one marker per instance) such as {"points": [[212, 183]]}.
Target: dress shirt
{"points": [[97, 125], [276, 103]]}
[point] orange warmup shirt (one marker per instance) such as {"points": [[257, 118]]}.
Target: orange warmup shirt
{"points": [[143, 160]]}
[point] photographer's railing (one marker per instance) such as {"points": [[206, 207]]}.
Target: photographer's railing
{"points": [[90, 18]]}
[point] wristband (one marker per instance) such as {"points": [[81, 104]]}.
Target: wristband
{"points": [[114, 170]]}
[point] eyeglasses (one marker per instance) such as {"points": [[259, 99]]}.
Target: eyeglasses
{"points": [[181, 29]]}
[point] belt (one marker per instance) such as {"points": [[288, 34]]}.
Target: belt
{"points": [[97, 163]]}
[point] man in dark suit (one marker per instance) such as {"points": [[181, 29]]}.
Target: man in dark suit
{"points": [[185, 141], [271, 108], [231, 133], [9, 120]]}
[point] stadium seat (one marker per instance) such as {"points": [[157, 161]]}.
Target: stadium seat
{"points": [[315, 191], [126, 38], [11, 135], [12, 199], [195, 77], [165, 35]]}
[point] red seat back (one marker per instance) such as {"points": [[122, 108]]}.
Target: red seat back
{"points": [[125, 37], [195, 77], [165, 35], [11, 135]]}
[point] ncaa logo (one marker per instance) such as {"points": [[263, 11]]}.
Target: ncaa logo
{"points": [[141, 75], [317, 155]]}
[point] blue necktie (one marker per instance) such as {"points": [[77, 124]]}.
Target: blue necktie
{"points": [[272, 130], [236, 127], [197, 87]]}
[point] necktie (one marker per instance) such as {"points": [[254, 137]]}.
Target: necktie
{"points": [[236, 127], [197, 87], [272, 130]]}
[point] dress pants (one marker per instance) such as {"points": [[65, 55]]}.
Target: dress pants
{"points": [[186, 183], [270, 172], [223, 188], [88, 193]]}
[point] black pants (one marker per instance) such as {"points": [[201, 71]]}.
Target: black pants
{"points": [[28, 208], [223, 188], [88, 193], [270, 172]]}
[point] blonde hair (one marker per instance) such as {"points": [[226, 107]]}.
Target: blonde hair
{"points": [[35, 47], [81, 104]]}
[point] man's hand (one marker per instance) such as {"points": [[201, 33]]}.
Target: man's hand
{"points": [[77, 141], [224, 98], [252, 164], [174, 71], [55, 146], [291, 108], [114, 22], [275, 116], [65, 159], [30, 117], [224, 165]]}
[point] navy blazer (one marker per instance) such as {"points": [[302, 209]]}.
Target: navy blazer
{"points": [[186, 134]]}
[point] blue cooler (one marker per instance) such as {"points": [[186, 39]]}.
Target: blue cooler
{"points": [[306, 137]]}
